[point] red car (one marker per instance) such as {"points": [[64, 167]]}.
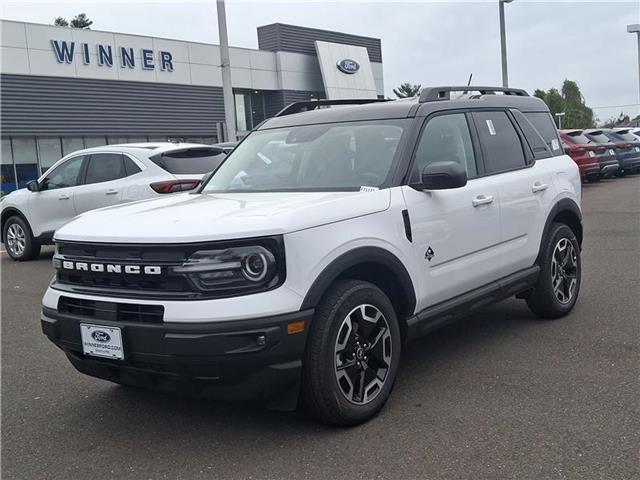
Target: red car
{"points": [[592, 159]]}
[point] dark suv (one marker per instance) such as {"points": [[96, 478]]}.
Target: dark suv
{"points": [[627, 149], [591, 157], [609, 165]]}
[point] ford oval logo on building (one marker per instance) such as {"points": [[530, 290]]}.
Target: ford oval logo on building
{"points": [[100, 336], [348, 66]]}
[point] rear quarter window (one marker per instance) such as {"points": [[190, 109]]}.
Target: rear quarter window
{"points": [[194, 161], [546, 127]]}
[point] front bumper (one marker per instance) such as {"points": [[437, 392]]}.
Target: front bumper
{"points": [[243, 360]]}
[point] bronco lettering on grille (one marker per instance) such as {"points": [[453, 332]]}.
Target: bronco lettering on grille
{"points": [[112, 268]]}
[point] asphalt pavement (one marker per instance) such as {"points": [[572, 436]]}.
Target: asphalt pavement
{"points": [[499, 395]]}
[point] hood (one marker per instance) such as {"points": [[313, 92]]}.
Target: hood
{"points": [[14, 196], [187, 218]]}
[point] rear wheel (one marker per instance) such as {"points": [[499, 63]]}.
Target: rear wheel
{"points": [[352, 354], [558, 284], [19, 241]]}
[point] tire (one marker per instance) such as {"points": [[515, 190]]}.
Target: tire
{"points": [[621, 173], [18, 240], [332, 345], [560, 267], [593, 178]]}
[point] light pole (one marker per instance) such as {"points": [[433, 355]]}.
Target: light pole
{"points": [[560, 115], [225, 66], [635, 28], [503, 43]]}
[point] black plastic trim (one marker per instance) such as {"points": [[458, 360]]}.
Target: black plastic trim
{"points": [[563, 205], [358, 256], [448, 311], [407, 224]]}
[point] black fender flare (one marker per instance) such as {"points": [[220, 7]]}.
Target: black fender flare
{"points": [[352, 258], [563, 205]]}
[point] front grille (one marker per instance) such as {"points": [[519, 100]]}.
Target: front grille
{"points": [[104, 268], [140, 285], [112, 311]]}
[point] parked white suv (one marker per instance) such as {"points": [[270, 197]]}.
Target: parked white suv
{"points": [[95, 178], [324, 242]]}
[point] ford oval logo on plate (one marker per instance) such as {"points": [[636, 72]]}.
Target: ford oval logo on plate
{"points": [[100, 336], [348, 66]]}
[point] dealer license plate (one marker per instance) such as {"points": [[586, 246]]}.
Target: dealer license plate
{"points": [[101, 341]]}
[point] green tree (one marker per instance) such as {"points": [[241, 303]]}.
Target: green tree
{"points": [[407, 90], [539, 93], [81, 21], [571, 101], [60, 22]]}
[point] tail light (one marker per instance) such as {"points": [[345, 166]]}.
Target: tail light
{"points": [[172, 186]]}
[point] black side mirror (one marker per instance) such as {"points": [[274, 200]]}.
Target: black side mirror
{"points": [[567, 151], [33, 186], [442, 176]]}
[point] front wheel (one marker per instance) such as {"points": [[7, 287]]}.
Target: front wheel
{"points": [[19, 241], [352, 354], [558, 284]]}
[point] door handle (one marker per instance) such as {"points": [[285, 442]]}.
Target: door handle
{"points": [[111, 192], [539, 187], [63, 196], [482, 200]]}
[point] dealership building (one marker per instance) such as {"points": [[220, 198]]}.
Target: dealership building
{"points": [[64, 89]]}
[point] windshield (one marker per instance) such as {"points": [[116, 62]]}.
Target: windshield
{"points": [[327, 157]]}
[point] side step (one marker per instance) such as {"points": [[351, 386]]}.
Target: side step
{"points": [[443, 313]]}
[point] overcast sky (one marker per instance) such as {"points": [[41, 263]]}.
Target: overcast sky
{"points": [[432, 43]]}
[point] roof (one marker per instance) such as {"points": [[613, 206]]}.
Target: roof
{"points": [[146, 148], [404, 108]]}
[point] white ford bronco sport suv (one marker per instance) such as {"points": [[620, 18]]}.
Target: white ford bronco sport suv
{"points": [[327, 239]]}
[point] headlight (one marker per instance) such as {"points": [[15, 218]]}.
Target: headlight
{"points": [[233, 270]]}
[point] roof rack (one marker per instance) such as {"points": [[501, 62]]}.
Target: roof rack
{"points": [[434, 94], [308, 105]]}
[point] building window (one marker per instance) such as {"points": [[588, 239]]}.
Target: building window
{"points": [[250, 109], [25, 157], [7, 172], [71, 144], [49, 152]]}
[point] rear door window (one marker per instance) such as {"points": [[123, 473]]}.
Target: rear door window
{"points": [[105, 167], [194, 161], [546, 127], [500, 143]]}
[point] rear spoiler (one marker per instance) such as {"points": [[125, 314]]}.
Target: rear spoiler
{"points": [[209, 150]]}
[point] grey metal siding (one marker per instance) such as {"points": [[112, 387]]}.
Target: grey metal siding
{"points": [[41, 105], [279, 37]]}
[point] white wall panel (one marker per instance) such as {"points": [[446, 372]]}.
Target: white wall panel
{"points": [[338, 84], [14, 60], [204, 54], [13, 34]]}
